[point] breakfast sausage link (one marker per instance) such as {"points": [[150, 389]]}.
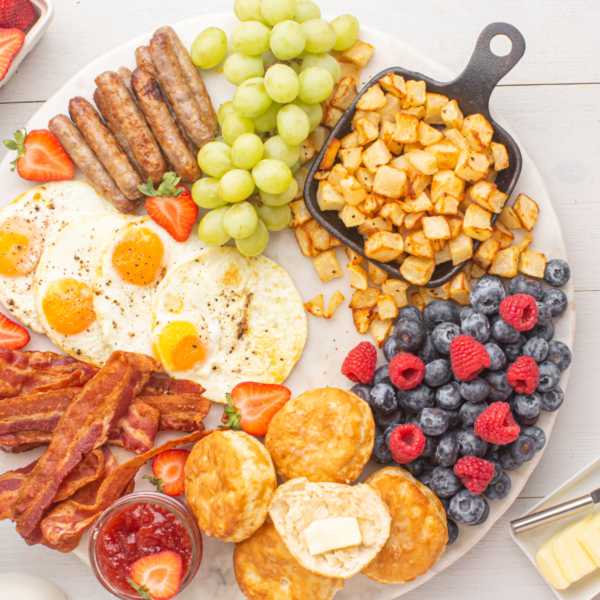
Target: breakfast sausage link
{"points": [[101, 141], [178, 91], [83, 156], [152, 103], [120, 103]]}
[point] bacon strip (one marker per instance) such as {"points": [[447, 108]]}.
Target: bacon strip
{"points": [[84, 426], [181, 412], [136, 431], [22, 441], [164, 386], [10, 483]]}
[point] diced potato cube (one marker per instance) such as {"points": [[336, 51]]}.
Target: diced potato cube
{"points": [[358, 276], [331, 116], [380, 329], [429, 135], [386, 305], [477, 223], [366, 298], [477, 131], [532, 263], [392, 212], [422, 161], [491, 176], [455, 223], [327, 266], [418, 184], [354, 257], [436, 228], [384, 246], [509, 218], [344, 94], [480, 193], [417, 301], [433, 108], [386, 131], [319, 136], [500, 156], [452, 115], [457, 138], [322, 239], [359, 53], [441, 292], [505, 263], [400, 162], [471, 166], [364, 178], [446, 205], [417, 270], [376, 274], [484, 255], [367, 132], [350, 141], [446, 181], [438, 245], [371, 115], [488, 152], [418, 245], [334, 302], [502, 234], [415, 94], [426, 295], [300, 176], [394, 84], [330, 154], [460, 289], [372, 99], [373, 202], [443, 255], [352, 216], [328, 198], [372, 225], [407, 129], [363, 317], [461, 248], [300, 214], [525, 242], [320, 175], [497, 200], [304, 239], [352, 192], [415, 205], [413, 221], [445, 153], [415, 111], [316, 306], [527, 210], [392, 106], [307, 151], [376, 155], [390, 182], [336, 175], [351, 158], [477, 272], [397, 289]]}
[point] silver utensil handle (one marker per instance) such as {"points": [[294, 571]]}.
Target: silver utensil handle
{"points": [[552, 514]]}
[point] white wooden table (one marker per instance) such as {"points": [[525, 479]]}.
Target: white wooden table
{"points": [[552, 101]]}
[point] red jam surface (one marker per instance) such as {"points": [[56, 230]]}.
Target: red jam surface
{"points": [[135, 531]]}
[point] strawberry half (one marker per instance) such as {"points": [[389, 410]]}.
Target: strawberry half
{"points": [[16, 13], [11, 41], [251, 406], [157, 576], [12, 335], [171, 206], [168, 472]]}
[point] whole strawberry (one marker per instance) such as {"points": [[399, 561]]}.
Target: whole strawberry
{"points": [[475, 473], [359, 365], [496, 424], [17, 14]]}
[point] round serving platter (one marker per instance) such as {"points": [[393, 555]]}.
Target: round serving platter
{"points": [[328, 340]]}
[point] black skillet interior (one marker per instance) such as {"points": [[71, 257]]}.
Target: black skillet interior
{"points": [[472, 90]]}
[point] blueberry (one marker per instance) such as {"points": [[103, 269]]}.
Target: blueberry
{"points": [[444, 482], [522, 448], [383, 398], [425, 477], [410, 335], [445, 502], [454, 417], [442, 335], [527, 405], [475, 391], [469, 412], [487, 295], [549, 376], [381, 453], [528, 422], [430, 447], [384, 421], [544, 313], [452, 532], [411, 419], [415, 467], [448, 396], [446, 453], [433, 421], [524, 285], [467, 508], [499, 489], [417, 399], [388, 433], [485, 515], [559, 354], [507, 461], [556, 300], [412, 313], [469, 444], [545, 331], [557, 272], [477, 326], [440, 311], [537, 348], [492, 451], [497, 356], [497, 469], [390, 348], [513, 351], [427, 353], [504, 333], [537, 435], [437, 372], [465, 311], [500, 389], [552, 400], [382, 375]]}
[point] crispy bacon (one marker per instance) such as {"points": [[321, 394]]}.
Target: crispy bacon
{"points": [[83, 427], [180, 412], [136, 431], [22, 441], [163, 386], [10, 483]]}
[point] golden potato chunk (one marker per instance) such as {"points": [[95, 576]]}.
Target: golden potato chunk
{"points": [[417, 270], [484, 255], [372, 99], [358, 276], [502, 234], [322, 239], [418, 184], [433, 108], [363, 317], [446, 205], [300, 214], [331, 116], [327, 266], [393, 84], [316, 306], [304, 239], [330, 154], [443, 255], [413, 221], [319, 136], [390, 182], [505, 263], [366, 298], [352, 192], [415, 94], [372, 225], [477, 272], [336, 175], [471, 166], [372, 204], [532, 263], [527, 210], [446, 181], [415, 205], [344, 94], [376, 155], [334, 302], [393, 213], [352, 216], [460, 289], [397, 288], [376, 274], [354, 257], [461, 248], [436, 228], [445, 153], [386, 131], [407, 129], [438, 245], [477, 131], [307, 151], [509, 218], [386, 306], [429, 135], [359, 53], [371, 115], [422, 161], [525, 242], [384, 246], [380, 329], [500, 156], [452, 115], [477, 223], [418, 245], [349, 141], [351, 158], [457, 138], [364, 178], [328, 197], [455, 223], [367, 131], [417, 301]]}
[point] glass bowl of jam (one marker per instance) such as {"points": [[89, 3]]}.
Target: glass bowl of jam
{"points": [[138, 525]]}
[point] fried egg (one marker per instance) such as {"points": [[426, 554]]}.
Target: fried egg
{"points": [[128, 274], [63, 285], [27, 226], [222, 318]]}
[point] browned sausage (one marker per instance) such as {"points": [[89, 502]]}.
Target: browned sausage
{"points": [[178, 91], [193, 79], [152, 103], [129, 116], [83, 156], [105, 147]]}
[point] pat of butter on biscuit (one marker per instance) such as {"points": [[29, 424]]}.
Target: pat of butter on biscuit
{"points": [[332, 534]]}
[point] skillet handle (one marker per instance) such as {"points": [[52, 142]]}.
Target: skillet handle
{"points": [[477, 82]]}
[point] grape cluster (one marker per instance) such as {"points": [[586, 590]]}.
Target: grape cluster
{"points": [[282, 68]]}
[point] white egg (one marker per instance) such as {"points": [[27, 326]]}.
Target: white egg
{"points": [[26, 586], [222, 319], [63, 285], [129, 272], [27, 226]]}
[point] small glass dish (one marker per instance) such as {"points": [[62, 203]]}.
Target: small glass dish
{"points": [[179, 510]]}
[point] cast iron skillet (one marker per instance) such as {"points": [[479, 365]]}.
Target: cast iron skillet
{"points": [[472, 90]]}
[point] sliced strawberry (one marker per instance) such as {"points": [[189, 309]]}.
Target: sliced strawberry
{"points": [[16, 13], [251, 406], [11, 41], [12, 335], [168, 472], [157, 576]]}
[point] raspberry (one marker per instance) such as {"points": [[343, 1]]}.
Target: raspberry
{"points": [[407, 442], [523, 375], [475, 473], [520, 311], [468, 357], [496, 424], [406, 371], [359, 365]]}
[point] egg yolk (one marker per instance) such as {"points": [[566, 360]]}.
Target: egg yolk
{"points": [[138, 256], [180, 346], [68, 306], [20, 247]]}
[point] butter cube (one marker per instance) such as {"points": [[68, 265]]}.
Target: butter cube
{"points": [[549, 567], [572, 557], [331, 534], [590, 538]]}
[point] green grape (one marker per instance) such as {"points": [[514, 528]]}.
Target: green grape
{"points": [[314, 112], [347, 29], [281, 83], [236, 125], [268, 120], [238, 67], [272, 176], [255, 243], [296, 67], [209, 48], [287, 40], [282, 198], [275, 11], [247, 151], [275, 218], [215, 159], [306, 10], [248, 10], [240, 220], [296, 167], [220, 139], [251, 37], [205, 193], [293, 125], [211, 230], [325, 61], [277, 149], [224, 111], [236, 185], [251, 98], [316, 84], [320, 36]]}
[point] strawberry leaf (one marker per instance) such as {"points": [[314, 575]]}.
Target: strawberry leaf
{"points": [[142, 590], [157, 481], [234, 415], [17, 144], [167, 188], [147, 188]]}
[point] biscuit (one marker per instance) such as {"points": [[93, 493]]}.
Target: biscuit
{"points": [[229, 480], [299, 502], [419, 532], [323, 435], [265, 570]]}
